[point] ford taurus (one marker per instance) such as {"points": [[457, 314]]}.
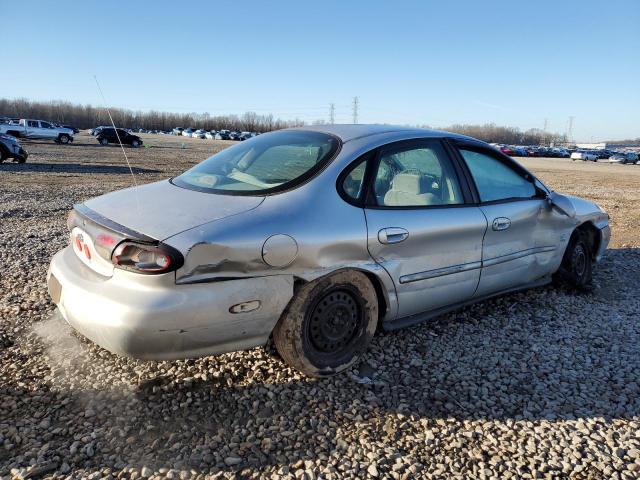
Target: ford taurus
{"points": [[316, 237]]}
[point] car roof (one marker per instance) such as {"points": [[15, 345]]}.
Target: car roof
{"points": [[347, 132]]}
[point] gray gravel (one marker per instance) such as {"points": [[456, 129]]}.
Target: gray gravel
{"points": [[542, 384]]}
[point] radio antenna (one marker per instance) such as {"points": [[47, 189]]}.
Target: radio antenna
{"points": [[115, 130]]}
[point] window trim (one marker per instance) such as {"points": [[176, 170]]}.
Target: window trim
{"points": [[366, 157], [503, 159]]}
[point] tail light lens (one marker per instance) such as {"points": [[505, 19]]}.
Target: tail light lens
{"points": [[148, 259]]}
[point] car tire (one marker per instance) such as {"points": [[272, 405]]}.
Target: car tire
{"points": [[3, 155], [328, 324], [135, 144], [63, 138], [577, 264], [104, 142]]}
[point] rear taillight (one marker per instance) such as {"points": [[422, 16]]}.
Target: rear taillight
{"points": [[146, 258]]}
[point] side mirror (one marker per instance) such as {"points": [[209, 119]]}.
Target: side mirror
{"points": [[562, 204]]}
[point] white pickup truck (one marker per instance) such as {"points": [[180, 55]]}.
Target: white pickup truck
{"points": [[38, 129]]}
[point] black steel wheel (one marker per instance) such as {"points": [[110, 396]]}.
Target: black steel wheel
{"points": [[328, 324], [334, 321]]}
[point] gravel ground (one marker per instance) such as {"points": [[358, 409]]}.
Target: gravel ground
{"points": [[542, 384]]}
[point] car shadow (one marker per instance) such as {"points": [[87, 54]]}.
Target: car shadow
{"points": [[441, 371], [73, 168]]}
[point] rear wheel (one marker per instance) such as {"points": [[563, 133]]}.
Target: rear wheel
{"points": [[3, 155], [135, 144], [577, 263], [328, 324], [104, 142]]}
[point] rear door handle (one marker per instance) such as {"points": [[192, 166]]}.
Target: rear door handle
{"points": [[392, 235], [501, 223]]}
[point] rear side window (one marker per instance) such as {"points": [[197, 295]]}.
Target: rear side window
{"points": [[494, 180]]}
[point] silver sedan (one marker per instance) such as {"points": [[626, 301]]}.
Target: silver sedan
{"points": [[316, 237]]}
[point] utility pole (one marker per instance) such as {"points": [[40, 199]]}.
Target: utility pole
{"points": [[332, 113], [544, 133], [355, 109]]}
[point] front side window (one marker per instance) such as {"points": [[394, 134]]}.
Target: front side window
{"points": [[495, 180], [45, 125], [265, 163], [416, 176], [32, 123]]}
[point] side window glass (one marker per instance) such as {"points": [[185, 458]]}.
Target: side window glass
{"points": [[495, 180], [45, 125], [354, 181], [32, 124], [417, 176]]}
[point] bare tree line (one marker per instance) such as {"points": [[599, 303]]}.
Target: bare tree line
{"points": [[509, 135], [87, 116]]}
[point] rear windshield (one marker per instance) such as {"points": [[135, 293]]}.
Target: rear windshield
{"points": [[262, 164]]}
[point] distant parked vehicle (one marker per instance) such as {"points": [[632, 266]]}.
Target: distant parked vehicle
{"points": [[584, 156], [177, 131], [10, 148], [96, 130], [561, 153], [210, 135], [187, 132], [223, 135], [624, 157], [198, 134], [108, 135], [37, 129]]}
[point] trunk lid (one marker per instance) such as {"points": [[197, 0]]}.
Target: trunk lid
{"points": [[161, 209]]}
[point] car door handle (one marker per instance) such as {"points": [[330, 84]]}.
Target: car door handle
{"points": [[501, 223], [392, 235]]}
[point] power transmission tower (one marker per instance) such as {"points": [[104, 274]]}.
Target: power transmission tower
{"points": [[332, 113], [544, 133], [355, 109], [570, 130]]}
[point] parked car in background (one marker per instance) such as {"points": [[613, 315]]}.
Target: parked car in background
{"points": [[561, 153], [210, 135], [223, 135], [187, 132], [624, 157], [10, 148], [96, 130], [284, 236], [584, 156], [37, 129], [198, 134], [177, 131], [108, 135]]}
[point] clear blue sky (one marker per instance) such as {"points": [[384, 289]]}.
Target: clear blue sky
{"points": [[415, 62]]}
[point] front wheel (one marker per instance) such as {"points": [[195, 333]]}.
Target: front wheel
{"points": [[577, 262], [64, 139], [135, 144], [104, 142], [328, 324]]}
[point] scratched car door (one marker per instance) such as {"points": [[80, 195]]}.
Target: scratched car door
{"points": [[513, 251]]}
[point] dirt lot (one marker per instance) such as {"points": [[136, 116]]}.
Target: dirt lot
{"points": [[541, 384]]}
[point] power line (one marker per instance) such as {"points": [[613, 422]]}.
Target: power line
{"points": [[355, 109]]}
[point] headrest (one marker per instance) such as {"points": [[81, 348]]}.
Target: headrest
{"points": [[410, 183]]}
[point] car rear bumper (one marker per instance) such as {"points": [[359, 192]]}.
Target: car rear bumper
{"points": [[150, 317]]}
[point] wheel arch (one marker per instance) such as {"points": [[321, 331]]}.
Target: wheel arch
{"points": [[385, 298], [592, 234]]}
